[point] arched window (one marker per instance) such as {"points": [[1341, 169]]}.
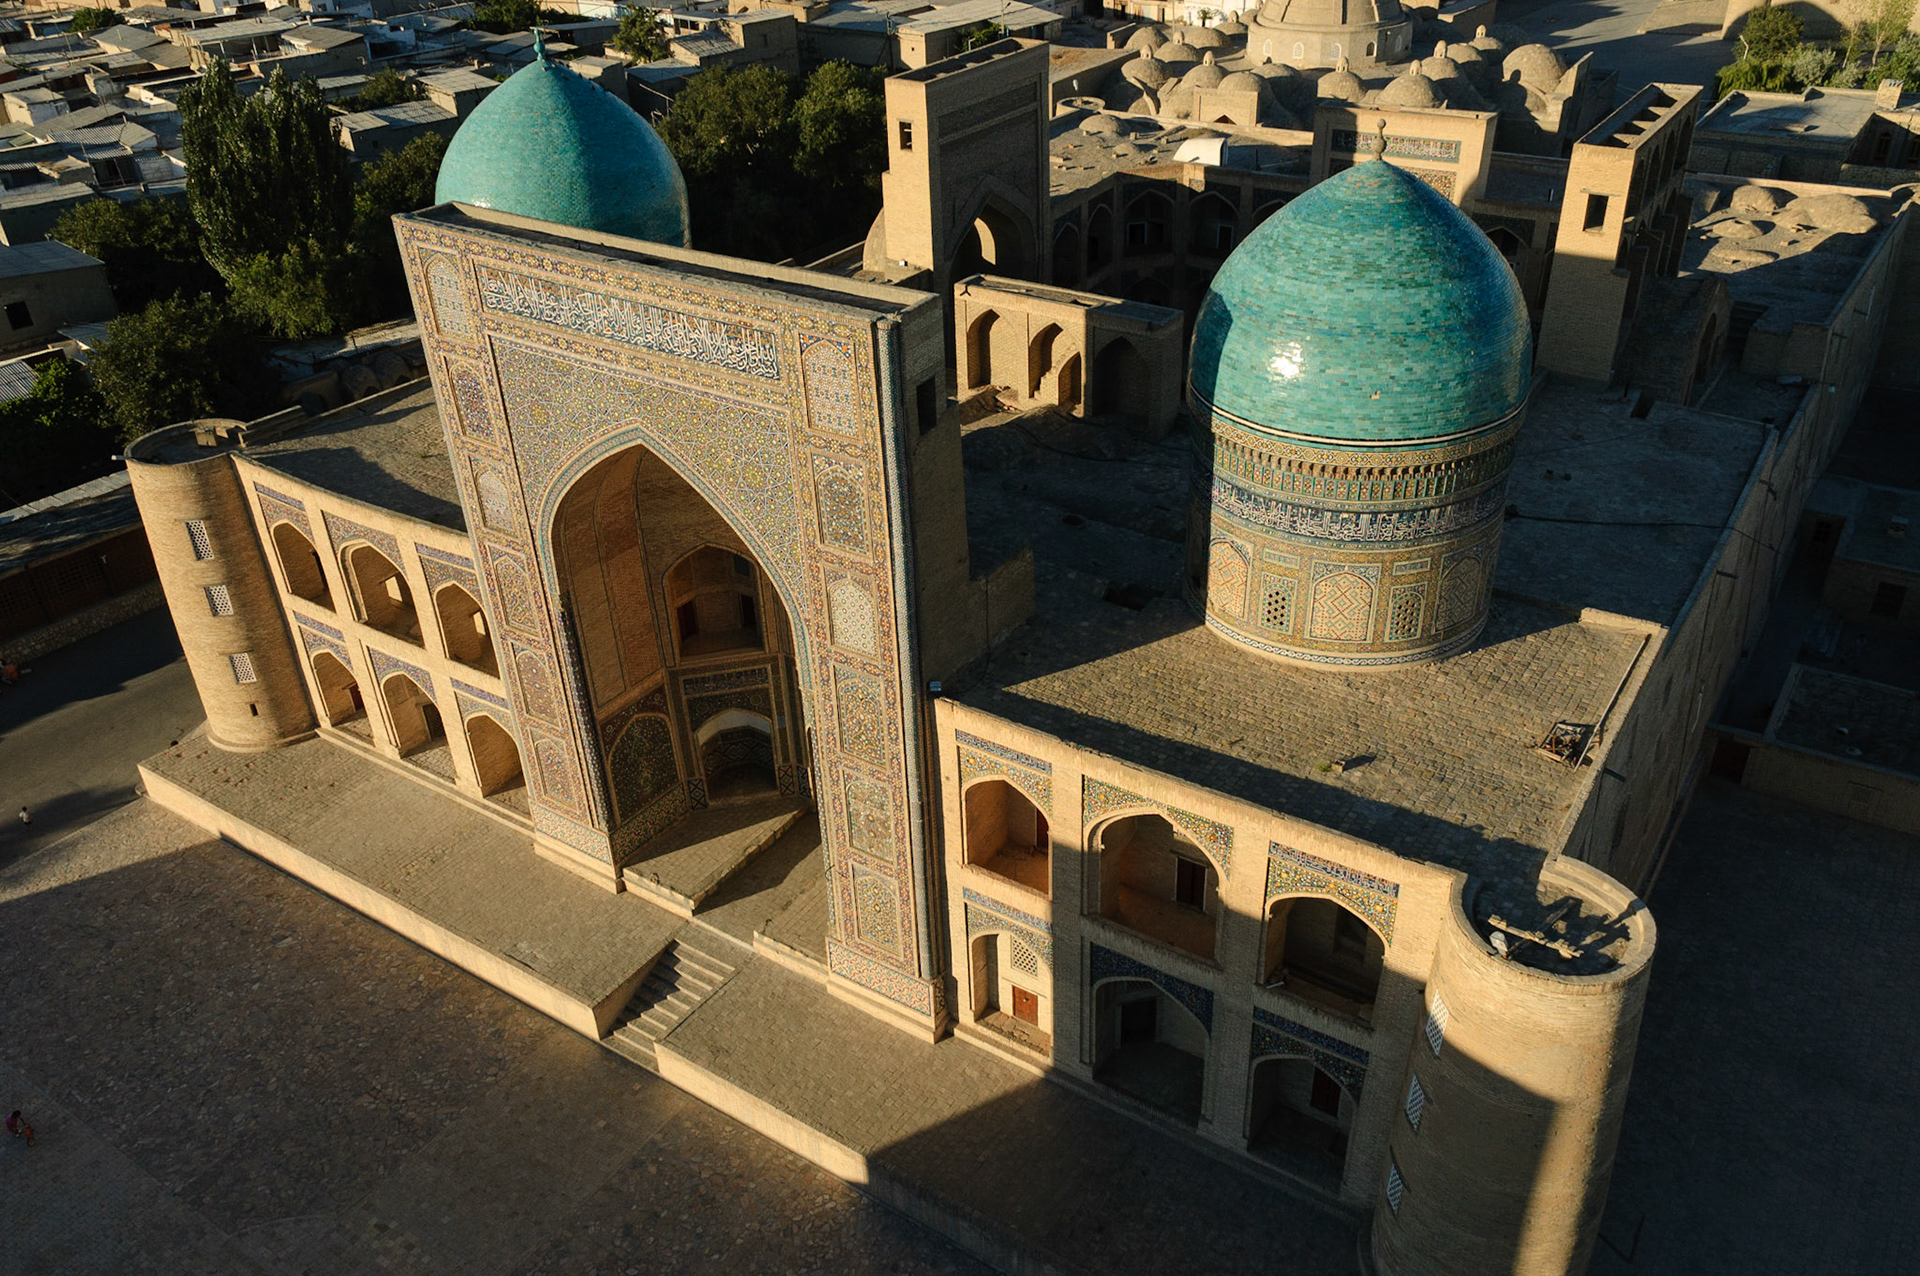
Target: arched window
{"points": [[496, 758], [1213, 222], [1155, 882], [463, 627], [381, 591], [1066, 256], [736, 755], [300, 565], [715, 597], [1149, 1046], [980, 349], [1011, 990], [1320, 952], [1006, 835], [1121, 383]]}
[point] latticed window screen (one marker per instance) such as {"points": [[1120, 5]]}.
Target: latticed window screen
{"points": [[1021, 957], [1396, 1186], [219, 600], [1276, 610], [242, 662], [1416, 1102], [202, 543], [1436, 1026]]}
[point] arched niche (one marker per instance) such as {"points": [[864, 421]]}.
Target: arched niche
{"points": [[412, 714], [1298, 1117], [496, 757], [1150, 1047], [1149, 224], [1067, 244], [1154, 880], [736, 755], [300, 565], [1324, 953], [1121, 383], [341, 704], [1100, 239], [463, 628], [980, 371], [1040, 358], [714, 596], [1010, 989], [381, 592], [1004, 833]]}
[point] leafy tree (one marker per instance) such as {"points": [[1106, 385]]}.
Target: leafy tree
{"points": [[840, 124], [1902, 61], [1809, 65], [1751, 74], [54, 436], [268, 179], [87, 21], [385, 87], [504, 17], [1770, 33], [981, 36], [730, 123], [399, 182], [640, 36], [151, 247], [178, 359]]}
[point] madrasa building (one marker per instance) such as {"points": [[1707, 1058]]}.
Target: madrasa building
{"points": [[1288, 781]]}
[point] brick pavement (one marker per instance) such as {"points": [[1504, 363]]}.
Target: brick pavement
{"points": [[1771, 1124], [232, 1073]]}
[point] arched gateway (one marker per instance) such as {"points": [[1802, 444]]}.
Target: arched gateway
{"points": [[691, 498]]}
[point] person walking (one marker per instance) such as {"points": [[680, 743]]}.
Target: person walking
{"points": [[17, 1126], [24, 817]]}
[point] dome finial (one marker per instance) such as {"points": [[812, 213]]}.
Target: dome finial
{"points": [[1377, 144], [539, 45]]}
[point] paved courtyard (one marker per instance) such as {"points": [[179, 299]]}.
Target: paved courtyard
{"points": [[1771, 1124], [232, 1073]]}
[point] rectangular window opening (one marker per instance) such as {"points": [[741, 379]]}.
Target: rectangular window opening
{"points": [[18, 316], [1888, 599], [197, 535], [1190, 883], [1596, 217], [926, 404], [906, 135]]}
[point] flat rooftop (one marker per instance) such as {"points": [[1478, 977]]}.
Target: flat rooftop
{"points": [[1881, 529], [1817, 115], [1617, 513], [1866, 722], [386, 450], [1777, 250]]}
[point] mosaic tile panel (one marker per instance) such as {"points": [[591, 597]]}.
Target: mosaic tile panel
{"points": [[875, 912], [441, 568], [832, 389], [1227, 577], [1445, 150], [1099, 800], [1291, 872], [850, 616], [1104, 964], [700, 709], [916, 995], [385, 666], [1342, 606], [984, 914], [731, 680], [860, 707], [471, 402], [840, 504], [448, 296], [321, 626], [471, 707], [641, 765], [277, 507], [312, 642], [1405, 607], [344, 531], [979, 764], [869, 810], [1460, 592], [1275, 1035]]}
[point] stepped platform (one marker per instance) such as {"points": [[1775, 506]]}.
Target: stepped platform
{"points": [[683, 866]]}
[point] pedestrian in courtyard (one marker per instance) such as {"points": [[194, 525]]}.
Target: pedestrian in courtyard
{"points": [[17, 1126], [24, 817]]}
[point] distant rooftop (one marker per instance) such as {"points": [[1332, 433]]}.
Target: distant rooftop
{"points": [[41, 257], [1828, 115]]}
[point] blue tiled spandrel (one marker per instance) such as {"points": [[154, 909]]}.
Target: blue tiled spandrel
{"points": [[1368, 310]]}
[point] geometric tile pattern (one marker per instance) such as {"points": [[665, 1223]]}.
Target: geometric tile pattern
{"points": [[985, 914], [385, 666], [1104, 964], [1032, 776], [277, 507], [342, 530], [1341, 1060], [1099, 799], [1291, 872]]}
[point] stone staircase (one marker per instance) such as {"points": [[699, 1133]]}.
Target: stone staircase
{"points": [[688, 972]]}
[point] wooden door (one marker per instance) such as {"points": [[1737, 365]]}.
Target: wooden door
{"points": [[1026, 1006]]}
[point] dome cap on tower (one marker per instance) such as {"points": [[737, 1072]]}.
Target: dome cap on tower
{"points": [[551, 145], [1369, 310]]}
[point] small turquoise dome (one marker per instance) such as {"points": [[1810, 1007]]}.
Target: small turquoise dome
{"points": [[1369, 310], [550, 144]]}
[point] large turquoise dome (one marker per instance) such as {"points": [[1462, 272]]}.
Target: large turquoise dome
{"points": [[1369, 310], [551, 145]]}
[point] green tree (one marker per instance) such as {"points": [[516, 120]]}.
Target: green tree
{"points": [[1769, 34], [151, 247], [385, 87], [729, 123], [271, 188], [840, 126], [180, 358], [640, 36], [400, 182], [87, 21], [981, 36], [55, 435], [503, 17]]}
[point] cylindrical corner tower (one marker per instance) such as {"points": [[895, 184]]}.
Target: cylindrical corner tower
{"points": [[225, 605], [1360, 368], [1511, 1104]]}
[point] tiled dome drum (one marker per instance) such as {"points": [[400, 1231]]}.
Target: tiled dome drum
{"points": [[550, 144], [1361, 364]]}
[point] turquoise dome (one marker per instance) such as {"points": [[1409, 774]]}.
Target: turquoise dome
{"points": [[549, 144], [1369, 310]]}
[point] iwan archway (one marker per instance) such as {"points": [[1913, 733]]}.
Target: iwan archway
{"points": [[689, 490]]}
